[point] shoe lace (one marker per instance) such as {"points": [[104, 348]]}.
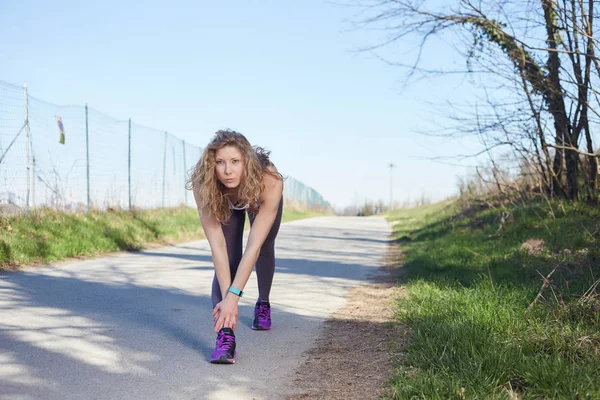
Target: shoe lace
{"points": [[225, 340], [263, 311]]}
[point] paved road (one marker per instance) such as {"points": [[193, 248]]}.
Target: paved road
{"points": [[138, 325]]}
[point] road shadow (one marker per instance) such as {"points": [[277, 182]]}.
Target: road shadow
{"points": [[69, 333]]}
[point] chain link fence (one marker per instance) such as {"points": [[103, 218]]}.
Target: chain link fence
{"points": [[75, 158]]}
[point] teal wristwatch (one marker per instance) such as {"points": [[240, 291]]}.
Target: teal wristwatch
{"points": [[235, 291]]}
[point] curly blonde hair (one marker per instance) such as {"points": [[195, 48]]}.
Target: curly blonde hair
{"points": [[210, 191]]}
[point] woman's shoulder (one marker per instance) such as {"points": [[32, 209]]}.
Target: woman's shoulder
{"points": [[272, 180]]}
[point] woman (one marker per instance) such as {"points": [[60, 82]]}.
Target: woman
{"points": [[230, 178]]}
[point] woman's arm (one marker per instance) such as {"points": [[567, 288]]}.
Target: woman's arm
{"points": [[218, 246], [260, 229]]}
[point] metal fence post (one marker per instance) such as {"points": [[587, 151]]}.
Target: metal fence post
{"points": [[184, 173], [129, 165], [87, 156], [34, 177], [164, 171], [33, 169], [27, 149]]}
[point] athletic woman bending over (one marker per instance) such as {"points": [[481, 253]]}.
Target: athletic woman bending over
{"points": [[230, 179]]}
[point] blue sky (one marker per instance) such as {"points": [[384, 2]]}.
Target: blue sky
{"points": [[286, 74]]}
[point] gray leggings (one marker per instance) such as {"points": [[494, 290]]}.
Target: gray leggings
{"points": [[265, 264]]}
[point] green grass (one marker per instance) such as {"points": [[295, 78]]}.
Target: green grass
{"points": [[47, 235], [469, 286]]}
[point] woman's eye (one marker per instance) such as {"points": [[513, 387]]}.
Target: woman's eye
{"points": [[236, 161], [220, 162]]}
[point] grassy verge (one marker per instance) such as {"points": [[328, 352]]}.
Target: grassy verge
{"points": [[471, 284], [47, 235]]}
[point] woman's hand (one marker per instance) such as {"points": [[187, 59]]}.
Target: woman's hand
{"points": [[225, 313]]}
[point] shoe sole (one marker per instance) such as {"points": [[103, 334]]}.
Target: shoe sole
{"points": [[259, 328], [223, 360]]}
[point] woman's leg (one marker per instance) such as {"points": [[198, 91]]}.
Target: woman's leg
{"points": [[234, 233], [265, 264]]}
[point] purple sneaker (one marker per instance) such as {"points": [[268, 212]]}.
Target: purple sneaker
{"points": [[224, 352], [262, 316]]}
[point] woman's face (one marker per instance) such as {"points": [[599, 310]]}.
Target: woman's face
{"points": [[229, 167]]}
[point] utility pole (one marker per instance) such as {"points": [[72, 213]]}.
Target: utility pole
{"points": [[27, 142], [391, 165]]}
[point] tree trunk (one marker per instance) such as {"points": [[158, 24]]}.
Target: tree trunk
{"points": [[593, 161], [556, 107], [593, 166]]}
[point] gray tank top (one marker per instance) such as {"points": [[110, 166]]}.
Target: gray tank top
{"points": [[238, 207]]}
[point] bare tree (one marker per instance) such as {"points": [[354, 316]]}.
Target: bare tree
{"points": [[545, 50]]}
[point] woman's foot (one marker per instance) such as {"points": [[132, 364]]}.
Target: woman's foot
{"points": [[224, 352], [262, 316]]}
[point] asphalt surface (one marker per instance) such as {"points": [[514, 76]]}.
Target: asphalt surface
{"points": [[139, 326]]}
